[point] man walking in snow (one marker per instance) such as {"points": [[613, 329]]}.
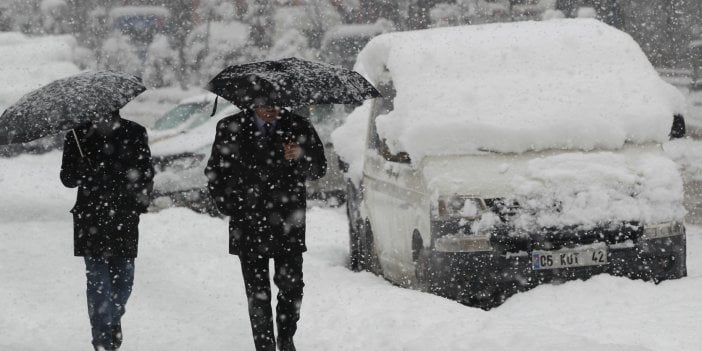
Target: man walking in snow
{"points": [[110, 162], [260, 161]]}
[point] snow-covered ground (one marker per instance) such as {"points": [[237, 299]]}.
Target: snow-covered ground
{"points": [[189, 294]]}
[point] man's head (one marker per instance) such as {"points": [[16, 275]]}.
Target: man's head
{"points": [[106, 124], [267, 113]]}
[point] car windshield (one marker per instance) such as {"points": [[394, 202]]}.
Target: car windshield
{"points": [[178, 116]]}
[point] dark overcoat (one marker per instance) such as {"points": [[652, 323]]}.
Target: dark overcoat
{"points": [[264, 194], [114, 183]]}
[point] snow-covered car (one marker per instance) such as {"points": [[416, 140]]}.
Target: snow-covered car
{"points": [[331, 188], [503, 156], [188, 114], [180, 161]]}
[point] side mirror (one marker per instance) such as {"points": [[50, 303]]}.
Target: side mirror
{"points": [[678, 129]]}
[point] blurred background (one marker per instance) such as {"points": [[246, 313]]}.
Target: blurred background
{"points": [[184, 42]]}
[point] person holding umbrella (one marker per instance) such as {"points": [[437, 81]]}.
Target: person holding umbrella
{"points": [[108, 159], [110, 163], [257, 170]]}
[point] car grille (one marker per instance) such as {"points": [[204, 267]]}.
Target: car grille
{"points": [[505, 238]]}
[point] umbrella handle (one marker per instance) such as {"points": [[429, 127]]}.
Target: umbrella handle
{"points": [[75, 136], [80, 150]]}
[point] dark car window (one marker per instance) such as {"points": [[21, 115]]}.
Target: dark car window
{"points": [[678, 129], [178, 115]]}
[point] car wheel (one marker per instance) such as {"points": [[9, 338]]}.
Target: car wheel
{"points": [[355, 230], [355, 256], [369, 257], [421, 263]]}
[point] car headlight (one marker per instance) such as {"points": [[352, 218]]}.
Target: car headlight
{"points": [[454, 215], [663, 230], [458, 206]]}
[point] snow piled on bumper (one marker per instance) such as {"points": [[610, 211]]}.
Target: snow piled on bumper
{"points": [[590, 189]]}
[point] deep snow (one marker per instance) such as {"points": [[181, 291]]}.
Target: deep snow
{"points": [[188, 293]]}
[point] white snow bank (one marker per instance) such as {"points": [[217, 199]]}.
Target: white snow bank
{"points": [[31, 189], [590, 189], [28, 63], [687, 153], [189, 291], [515, 87]]}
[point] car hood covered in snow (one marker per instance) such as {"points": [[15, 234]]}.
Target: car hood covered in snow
{"points": [[555, 189]]}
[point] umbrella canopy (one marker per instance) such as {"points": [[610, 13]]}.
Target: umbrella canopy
{"points": [[66, 103], [291, 82]]}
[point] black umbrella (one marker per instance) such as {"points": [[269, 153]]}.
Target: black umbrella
{"points": [[66, 103], [291, 82]]}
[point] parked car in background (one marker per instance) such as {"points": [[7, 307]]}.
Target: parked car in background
{"points": [[470, 193], [331, 188], [188, 114], [180, 160]]}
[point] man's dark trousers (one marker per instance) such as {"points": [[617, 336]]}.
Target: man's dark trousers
{"points": [[288, 278], [110, 283]]}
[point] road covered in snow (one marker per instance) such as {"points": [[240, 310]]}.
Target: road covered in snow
{"points": [[189, 295]]}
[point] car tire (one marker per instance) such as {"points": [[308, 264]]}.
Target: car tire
{"points": [[421, 272], [355, 255], [370, 259], [355, 230]]}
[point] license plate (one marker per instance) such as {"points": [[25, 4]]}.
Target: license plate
{"points": [[592, 255]]}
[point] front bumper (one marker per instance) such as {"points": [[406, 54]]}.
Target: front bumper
{"points": [[487, 278]]}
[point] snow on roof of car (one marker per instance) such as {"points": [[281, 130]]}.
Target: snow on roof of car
{"points": [[195, 140], [515, 87], [198, 99]]}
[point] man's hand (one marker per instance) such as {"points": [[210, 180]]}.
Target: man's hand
{"points": [[293, 151]]}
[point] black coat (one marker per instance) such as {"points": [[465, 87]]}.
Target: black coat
{"points": [[113, 189], [263, 193]]}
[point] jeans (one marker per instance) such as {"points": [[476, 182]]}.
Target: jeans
{"points": [[288, 278], [109, 284]]}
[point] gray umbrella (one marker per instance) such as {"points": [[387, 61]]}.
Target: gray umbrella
{"points": [[66, 103]]}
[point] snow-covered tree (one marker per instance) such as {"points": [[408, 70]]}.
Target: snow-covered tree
{"points": [[292, 44], [55, 16], [213, 46], [117, 53], [161, 63], [444, 15]]}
